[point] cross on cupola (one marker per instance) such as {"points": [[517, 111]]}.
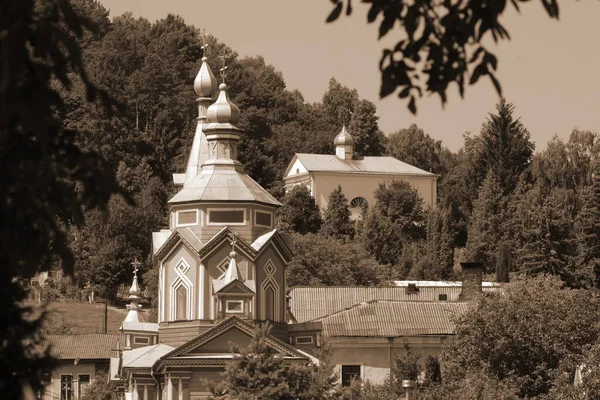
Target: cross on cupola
{"points": [[136, 266], [223, 70], [204, 44]]}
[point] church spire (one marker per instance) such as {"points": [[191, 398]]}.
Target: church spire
{"points": [[221, 133], [233, 271], [205, 86], [134, 307]]}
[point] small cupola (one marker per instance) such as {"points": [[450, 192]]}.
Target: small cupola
{"points": [[344, 144], [205, 84]]}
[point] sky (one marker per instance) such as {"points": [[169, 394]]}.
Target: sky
{"points": [[549, 69]]}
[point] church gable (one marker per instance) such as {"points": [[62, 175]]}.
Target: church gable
{"points": [[233, 329], [236, 287]]}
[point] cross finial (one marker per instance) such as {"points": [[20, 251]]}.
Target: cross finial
{"points": [[136, 266], [233, 240], [223, 70], [204, 44]]}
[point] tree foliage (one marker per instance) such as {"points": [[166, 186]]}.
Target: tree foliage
{"points": [[257, 372], [299, 212], [527, 338], [324, 260], [336, 220], [47, 180], [415, 147], [441, 43], [396, 218]]}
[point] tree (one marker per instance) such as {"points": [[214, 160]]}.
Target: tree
{"points": [[258, 373], [440, 44], [363, 126], [527, 337], [396, 218], [433, 257], [336, 221], [588, 231], [415, 147], [299, 212], [324, 260], [484, 230], [506, 148], [46, 179]]}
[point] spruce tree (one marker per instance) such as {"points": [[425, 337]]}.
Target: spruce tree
{"points": [[299, 213], [484, 226], [588, 232], [336, 221]]}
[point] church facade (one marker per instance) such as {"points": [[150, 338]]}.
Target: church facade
{"points": [[222, 268], [359, 177]]}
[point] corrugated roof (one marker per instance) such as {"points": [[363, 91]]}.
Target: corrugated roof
{"points": [[394, 319], [484, 285], [223, 185], [376, 165], [311, 302], [86, 346]]}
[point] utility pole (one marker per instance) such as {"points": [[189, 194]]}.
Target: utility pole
{"points": [[105, 315], [409, 386]]}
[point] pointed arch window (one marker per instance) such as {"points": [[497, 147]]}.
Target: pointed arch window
{"points": [[181, 294], [269, 303]]}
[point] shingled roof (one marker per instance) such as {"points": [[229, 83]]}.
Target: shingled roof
{"points": [[394, 319], [86, 346]]}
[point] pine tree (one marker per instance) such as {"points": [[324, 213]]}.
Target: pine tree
{"points": [[549, 245], [504, 263], [588, 232], [299, 212], [336, 221], [506, 148], [484, 227]]}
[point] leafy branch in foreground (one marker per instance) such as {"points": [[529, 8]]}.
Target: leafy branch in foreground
{"points": [[441, 43]]}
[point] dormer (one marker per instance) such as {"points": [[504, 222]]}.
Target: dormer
{"points": [[233, 295]]}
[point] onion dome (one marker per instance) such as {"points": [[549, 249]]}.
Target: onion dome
{"points": [[343, 138], [134, 290], [223, 111], [205, 84]]}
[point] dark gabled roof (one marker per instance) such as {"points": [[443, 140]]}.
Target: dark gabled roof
{"points": [[394, 319], [85, 346], [225, 325]]}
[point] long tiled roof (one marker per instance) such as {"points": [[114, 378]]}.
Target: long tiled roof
{"points": [[394, 319], [87, 346], [311, 302], [376, 165]]}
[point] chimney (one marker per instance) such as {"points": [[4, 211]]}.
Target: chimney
{"points": [[472, 276]]}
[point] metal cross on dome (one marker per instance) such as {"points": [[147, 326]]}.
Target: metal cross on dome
{"points": [[204, 44], [136, 266], [224, 68]]}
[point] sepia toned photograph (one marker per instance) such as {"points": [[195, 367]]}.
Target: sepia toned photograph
{"points": [[299, 200]]}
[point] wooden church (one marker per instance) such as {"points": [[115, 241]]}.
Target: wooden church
{"points": [[222, 268]]}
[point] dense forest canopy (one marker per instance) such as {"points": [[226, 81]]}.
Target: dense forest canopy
{"points": [[498, 201]]}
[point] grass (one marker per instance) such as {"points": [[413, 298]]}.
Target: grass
{"points": [[75, 317]]}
